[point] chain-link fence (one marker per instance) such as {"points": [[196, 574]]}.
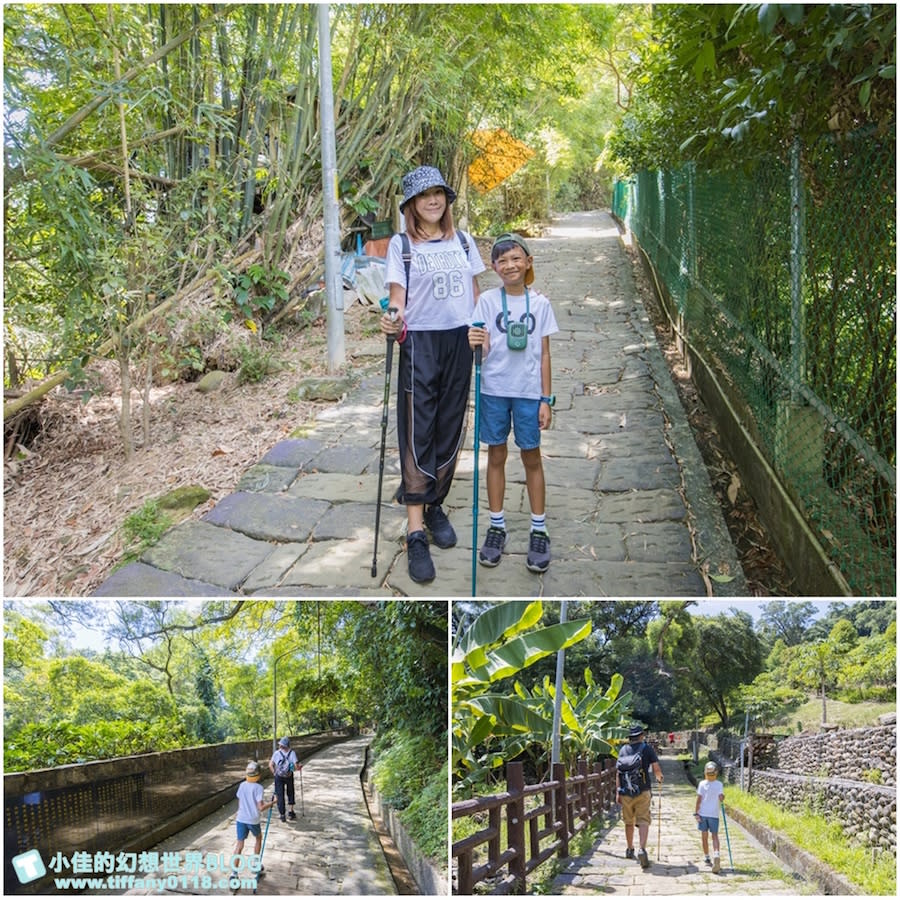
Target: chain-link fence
{"points": [[784, 272]]}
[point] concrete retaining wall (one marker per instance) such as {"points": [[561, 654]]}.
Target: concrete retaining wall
{"points": [[430, 880], [129, 803]]}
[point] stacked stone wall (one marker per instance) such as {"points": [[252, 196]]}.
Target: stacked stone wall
{"points": [[847, 776], [866, 813], [859, 754]]}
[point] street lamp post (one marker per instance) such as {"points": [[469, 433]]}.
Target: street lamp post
{"points": [[275, 696]]}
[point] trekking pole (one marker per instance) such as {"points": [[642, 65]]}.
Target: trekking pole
{"points": [[302, 802], [477, 442], [659, 823], [388, 360], [727, 839]]}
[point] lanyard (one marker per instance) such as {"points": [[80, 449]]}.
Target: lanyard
{"points": [[506, 311]]}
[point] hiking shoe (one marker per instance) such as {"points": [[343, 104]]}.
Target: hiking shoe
{"points": [[292, 815], [708, 861], [643, 859], [716, 863], [421, 568], [629, 853], [538, 552], [494, 542], [438, 524], [283, 819]]}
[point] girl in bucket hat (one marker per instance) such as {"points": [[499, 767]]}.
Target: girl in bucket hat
{"points": [[431, 273]]}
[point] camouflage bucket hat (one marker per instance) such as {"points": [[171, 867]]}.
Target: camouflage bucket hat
{"points": [[419, 180]]}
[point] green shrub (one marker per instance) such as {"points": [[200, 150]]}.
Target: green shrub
{"points": [[404, 767], [426, 817]]}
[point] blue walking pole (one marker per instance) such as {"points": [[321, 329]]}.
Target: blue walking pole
{"points": [[727, 839], [477, 442]]}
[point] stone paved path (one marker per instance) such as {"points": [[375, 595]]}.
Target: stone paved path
{"points": [[629, 507], [331, 848], [677, 863]]}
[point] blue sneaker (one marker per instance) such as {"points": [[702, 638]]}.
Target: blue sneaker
{"points": [[538, 559], [494, 542]]}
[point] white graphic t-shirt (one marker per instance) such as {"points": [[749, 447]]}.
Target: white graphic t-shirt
{"points": [[440, 294], [514, 373]]}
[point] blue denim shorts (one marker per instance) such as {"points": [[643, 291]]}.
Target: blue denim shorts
{"points": [[498, 413], [708, 823], [243, 829]]}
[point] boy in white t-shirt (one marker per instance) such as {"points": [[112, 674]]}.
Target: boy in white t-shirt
{"points": [[250, 805], [710, 794], [515, 391]]}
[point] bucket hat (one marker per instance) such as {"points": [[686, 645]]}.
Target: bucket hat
{"points": [[510, 237], [635, 731], [419, 180], [284, 742]]}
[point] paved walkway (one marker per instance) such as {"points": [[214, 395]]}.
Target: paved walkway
{"points": [[330, 848], [629, 507], [677, 862]]}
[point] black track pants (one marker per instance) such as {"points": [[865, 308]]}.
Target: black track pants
{"points": [[283, 785], [435, 369]]}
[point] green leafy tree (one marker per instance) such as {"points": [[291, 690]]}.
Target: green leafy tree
{"points": [[501, 642], [787, 622]]}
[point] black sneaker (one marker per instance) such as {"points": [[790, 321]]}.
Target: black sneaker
{"points": [[421, 568], [292, 815], [629, 853], [494, 542], [538, 552], [438, 524]]}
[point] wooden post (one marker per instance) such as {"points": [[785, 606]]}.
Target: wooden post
{"points": [[584, 790], [562, 813], [515, 823]]}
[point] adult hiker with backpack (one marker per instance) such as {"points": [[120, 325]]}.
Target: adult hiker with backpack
{"points": [[431, 273], [282, 765], [633, 792]]}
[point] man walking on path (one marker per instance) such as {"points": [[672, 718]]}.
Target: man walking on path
{"points": [[633, 789], [680, 869]]}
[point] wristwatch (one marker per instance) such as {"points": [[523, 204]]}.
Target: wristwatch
{"points": [[550, 401]]}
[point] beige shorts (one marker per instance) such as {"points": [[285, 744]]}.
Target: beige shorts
{"points": [[636, 810]]}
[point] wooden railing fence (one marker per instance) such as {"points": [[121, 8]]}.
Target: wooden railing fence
{"points": [[569, 805]]}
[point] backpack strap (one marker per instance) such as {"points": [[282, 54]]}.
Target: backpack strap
{"points": [[407, 257], [463, 240]]}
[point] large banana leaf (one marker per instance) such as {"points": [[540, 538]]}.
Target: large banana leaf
{"points": [[516, 654]]}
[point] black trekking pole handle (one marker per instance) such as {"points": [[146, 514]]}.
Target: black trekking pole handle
{"points": [[479, 348]]}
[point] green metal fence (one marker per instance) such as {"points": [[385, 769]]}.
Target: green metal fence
{"points": [[785, 273]]}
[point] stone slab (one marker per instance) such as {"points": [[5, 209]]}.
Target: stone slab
{"points": [[268, 517], [205, 552]]}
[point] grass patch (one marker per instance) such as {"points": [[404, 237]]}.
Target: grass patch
{"points": [[825, 841], [808, 716]]}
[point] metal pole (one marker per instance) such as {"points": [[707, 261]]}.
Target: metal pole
{"points": [[333, 282], [557, 700], [798, 256]]}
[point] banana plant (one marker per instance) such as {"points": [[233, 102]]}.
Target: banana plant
{"points": [[591, 719], [503, 641]]}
